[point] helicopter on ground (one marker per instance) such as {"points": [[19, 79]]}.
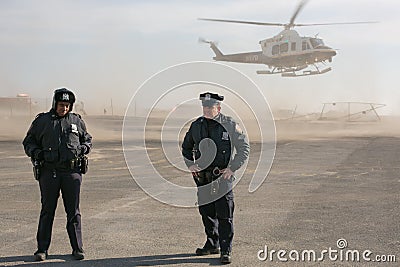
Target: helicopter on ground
{"points": [[287, 52]]}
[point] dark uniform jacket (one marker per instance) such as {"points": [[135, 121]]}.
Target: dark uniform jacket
{"points": [[226, 135], [57, 140]]}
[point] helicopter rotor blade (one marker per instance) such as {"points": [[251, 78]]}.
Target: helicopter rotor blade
{"points": [[297, 11], [244, 22], [335, 23]]}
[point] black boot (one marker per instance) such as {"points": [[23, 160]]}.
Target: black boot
{"points": [[78, 254], [226, 257], [40, 255], [206, 251]]}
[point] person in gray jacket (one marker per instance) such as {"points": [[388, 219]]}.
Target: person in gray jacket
{"points": [[208, 151], [56, 142]]}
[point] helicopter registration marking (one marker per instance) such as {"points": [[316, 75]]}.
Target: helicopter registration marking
{"points": [[253, 58]]}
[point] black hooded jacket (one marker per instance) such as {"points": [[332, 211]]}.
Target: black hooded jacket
{"points": [[57, 139]]}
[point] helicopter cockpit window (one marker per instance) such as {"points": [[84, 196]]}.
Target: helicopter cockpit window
{"points": [[275, 49], [316, 42], [284, 47]]}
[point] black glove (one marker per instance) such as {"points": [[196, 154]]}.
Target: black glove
{"points": [[38, 154], [84, 150]]}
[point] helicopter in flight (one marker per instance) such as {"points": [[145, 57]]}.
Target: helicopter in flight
{"points": [[287, 53]]}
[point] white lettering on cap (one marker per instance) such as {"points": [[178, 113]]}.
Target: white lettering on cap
{"points": [[65, 96], [208, 97]]}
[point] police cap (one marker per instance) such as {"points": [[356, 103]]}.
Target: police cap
{"points": [[210, 99]]}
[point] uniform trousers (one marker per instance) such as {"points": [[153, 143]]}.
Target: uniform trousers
{"points": [[217, 217], [51, 182]]}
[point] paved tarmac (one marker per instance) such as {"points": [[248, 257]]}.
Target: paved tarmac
{"points": [[322, 187]]}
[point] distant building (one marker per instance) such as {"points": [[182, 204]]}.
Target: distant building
{"points": [[21, 105]]}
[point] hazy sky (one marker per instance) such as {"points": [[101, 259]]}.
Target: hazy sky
{"points": [[105, 50]]}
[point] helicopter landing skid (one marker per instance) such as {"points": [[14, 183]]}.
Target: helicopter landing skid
{"points": [[293, 73], [306, 73]]}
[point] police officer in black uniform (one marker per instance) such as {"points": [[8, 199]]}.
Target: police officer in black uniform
{"points": [[224, 132], [57, 141]]}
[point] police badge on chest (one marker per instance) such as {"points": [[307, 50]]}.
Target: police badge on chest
{"points": [[74, 128], [225, 136]]}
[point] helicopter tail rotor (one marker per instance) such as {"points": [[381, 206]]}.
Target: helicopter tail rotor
{"points": [[213, 46], [205, 41]]}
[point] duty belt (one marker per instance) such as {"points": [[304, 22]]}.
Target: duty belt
{"points": [[208, 175], [69, 165]]}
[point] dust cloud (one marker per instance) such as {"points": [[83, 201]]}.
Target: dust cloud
{"points": [[319, 129], [109, 128]]}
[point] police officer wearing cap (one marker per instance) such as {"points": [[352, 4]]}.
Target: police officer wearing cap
{"points": [[58, 140], [224, 132]]}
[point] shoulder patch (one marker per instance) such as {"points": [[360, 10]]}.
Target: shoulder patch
{"points": [[238, 129]]}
